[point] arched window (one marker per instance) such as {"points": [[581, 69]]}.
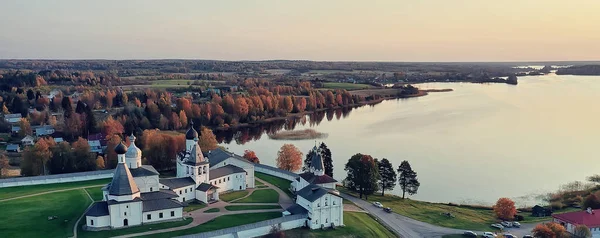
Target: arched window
{"points": [[199, 170]]}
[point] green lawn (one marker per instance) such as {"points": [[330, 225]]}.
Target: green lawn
{"points": [[282, 184], [261, 196], [465, 218], [358, 224], [194, 206], [212, 210], [12, 192], [251, 207], [132, 230], [28, 217], [222, 222], [347, 86], [96, 193], [257, 183], [227, 197]]}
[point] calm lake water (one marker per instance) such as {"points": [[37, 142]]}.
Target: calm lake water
{"points": [[475, 144]]}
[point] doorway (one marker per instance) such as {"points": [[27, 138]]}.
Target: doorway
{"points": [[125, 222]]}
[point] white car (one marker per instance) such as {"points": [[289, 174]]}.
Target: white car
{"points": [[516, 224], [378, 204], [498, 226], [506, 223], [488, 235]]}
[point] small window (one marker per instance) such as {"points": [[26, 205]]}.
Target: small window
{"points": [[227, 178], [224, 163], [150, 189], [184, 199], [160, 215], [125, 214], [149, 216], [186, 190], [127, 206], [325, 220], [91, 222], [172, 213]]}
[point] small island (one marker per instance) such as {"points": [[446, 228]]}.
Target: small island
{"points": [[305, 134]]}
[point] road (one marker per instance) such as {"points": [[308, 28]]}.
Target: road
{"points": [[408, 228]]}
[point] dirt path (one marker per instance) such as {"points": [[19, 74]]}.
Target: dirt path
{"points": [[54, 191], [284, 200], [82, 215]]}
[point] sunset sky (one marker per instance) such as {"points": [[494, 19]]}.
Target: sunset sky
{"points": [[349, 30]]}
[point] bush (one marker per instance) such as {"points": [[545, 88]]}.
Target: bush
{"points": [[556, 205], [519, 218]]}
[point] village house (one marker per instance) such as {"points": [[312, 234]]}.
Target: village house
{"points": [[570, 220], [15, 129], [43, 130], [12, 118], [28, 140], [13, 148]]}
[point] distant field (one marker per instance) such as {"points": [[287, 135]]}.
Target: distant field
{"points": [[33, 189], [347, 86]]}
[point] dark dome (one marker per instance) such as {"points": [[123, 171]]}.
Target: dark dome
{"points": [[191, 133], [121, 148]]}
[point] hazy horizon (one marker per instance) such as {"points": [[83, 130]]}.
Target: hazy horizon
{"points": [[334, 30]]}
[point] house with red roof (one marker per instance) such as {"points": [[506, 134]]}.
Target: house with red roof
{"points": [[589, 218]]}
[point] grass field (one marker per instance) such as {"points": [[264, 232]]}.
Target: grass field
{"points": [[347, 86], [261, 196], [277, 182], [28, 217], [137, 229], [33, 189], [358, 224], [221, 223], [251, 207], [256, 182], [212, 210], [227, 197], [96, 193], [465, 218], [194, 206]]}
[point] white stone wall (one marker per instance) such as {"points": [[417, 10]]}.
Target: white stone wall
{"points": [[275, 172], [189, 193], [232, 182], [155, 215], [247, 166], [132, 211], [58, 178], [103, 221], [324, 212], [261, 231], [145, 183]]}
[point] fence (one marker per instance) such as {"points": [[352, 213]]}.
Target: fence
{"points": [[56, 178], [280, 173], [255, 229]]}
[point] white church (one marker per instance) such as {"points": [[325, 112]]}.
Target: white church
{"points": [[317, 197], [137, 196]]}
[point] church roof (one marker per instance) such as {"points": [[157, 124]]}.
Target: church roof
{"points": [[174, 183], [219, 155], [224, 171], [315, 179], [316, 162], [312, 192], [296, 209], [122, 181], [121, 148], [98, 209], [145, 170], [160, 204], [205, 187], [191, 133], [195, 156], [133, 151], [161, 194]]}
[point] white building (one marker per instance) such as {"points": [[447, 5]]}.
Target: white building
{"points": [[137, 196], [317, 197], [28, 140]]}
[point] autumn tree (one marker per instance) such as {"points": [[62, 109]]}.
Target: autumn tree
{"points": [[100, 162], [582, 231], [62, 160], [183, 119], [109, 154], [25, 127], [207, 140], [505, 209], [85, 161], [407, 179], [251, 156], [111, 127], [387, 175], [542, 231], [4, 165], [289, 158], [591, 201], [35, 157], [73, 126], [558, 230], [362, 175]]}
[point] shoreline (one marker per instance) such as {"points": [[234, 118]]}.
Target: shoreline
{"points": [[421, 93]]}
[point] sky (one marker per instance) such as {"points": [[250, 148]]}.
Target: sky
{"points": [[324, 30]]}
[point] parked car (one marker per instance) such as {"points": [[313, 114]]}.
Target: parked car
{"points": [[388, 210], [470, 234], [506, 223], [488, 235], [377, 204], [516, 224], [498, 226], [509, 236]]}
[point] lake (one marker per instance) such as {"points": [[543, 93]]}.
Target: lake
{"points": [[473, 145]]}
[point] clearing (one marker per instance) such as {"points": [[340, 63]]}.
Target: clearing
{"points": [[282, 184], [347, 86], [19, 191]]}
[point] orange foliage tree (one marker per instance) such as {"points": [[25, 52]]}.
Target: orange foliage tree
{"points": [[207, 140], [289, 158], [111, 126], [542, 230], [505, 209], [251, 156], [550, 230]]}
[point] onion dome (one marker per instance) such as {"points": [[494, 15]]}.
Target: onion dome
{"points": [[133, 151], [191, 133], [121, 148]]}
